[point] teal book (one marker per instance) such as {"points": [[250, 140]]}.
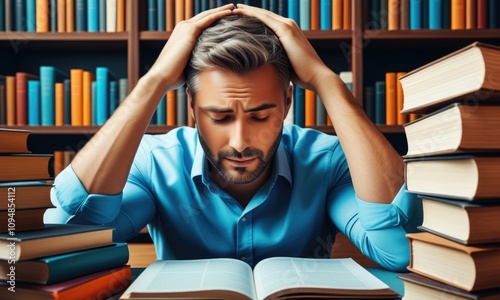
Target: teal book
{"points": [[161, 26], [49, 75], [374, 15], [67, 101], [102, 94], [20, 15], [161, 111], [325, 18], [33, 102], [31, 15], [152, 15], [305, 14], [435, 14], [493, 14], [293, 11], [2, 15], [298, 105], [102, 15], [53, 15], [113, 96], [93, 15], [415, 14], [57, 268], [446, 14], [80, 15], [384, 14]]}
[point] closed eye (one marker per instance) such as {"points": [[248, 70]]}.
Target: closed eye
{"points": [[259, 119]]}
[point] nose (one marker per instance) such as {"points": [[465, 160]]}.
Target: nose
{"points": [[240, 138]]}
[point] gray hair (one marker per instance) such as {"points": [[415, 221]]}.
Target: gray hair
{"points": [[239, 44]]}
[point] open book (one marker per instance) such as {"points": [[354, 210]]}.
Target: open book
{"points": [[272, 278]]}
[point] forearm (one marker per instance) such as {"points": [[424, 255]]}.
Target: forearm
{"points": [[376, 168], [103, 164]]}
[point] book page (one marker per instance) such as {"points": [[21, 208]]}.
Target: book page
{"points": [[174, 276], [276, 274]]}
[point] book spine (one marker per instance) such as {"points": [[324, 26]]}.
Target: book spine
{"points": [[42, 15], [337, 14], [482, 14], [102, 106], [299, 105], [435, 13], [160, 13], [458, 14], [80, 15], [10, 88], [305, 14], [59, 103], [70, 15], [33, 102], [380, 102], [53, 15], [161, 116], [446, 14], [293, 11], [76, 77], [326, 15], [20, 15], [61, 16], [391, 99], [67, 101], [493, 14], [346, 17], [152, 15], [374, 14], [111, 15], [310, 108], [415, 14], [404, 18], [171, 108], [384, 14], [113, 96], [2, 16], [315, 13], [21, 98], [471, 14], [102, 15], [393, 15], [47, 95], [92, 15], [87, 79], [120, 15]]}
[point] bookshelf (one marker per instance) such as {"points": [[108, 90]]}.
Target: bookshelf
{"points": [[368, 53]]}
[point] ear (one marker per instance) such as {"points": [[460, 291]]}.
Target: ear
{"points": [[190, 104], [288, 102]]}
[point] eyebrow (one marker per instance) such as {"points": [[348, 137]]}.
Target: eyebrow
{"points": [[229, 110]]}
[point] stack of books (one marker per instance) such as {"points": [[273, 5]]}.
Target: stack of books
{"points": [[453, 164], [49, 261]]}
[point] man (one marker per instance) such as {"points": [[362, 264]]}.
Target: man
{"points": [[240, 184]]}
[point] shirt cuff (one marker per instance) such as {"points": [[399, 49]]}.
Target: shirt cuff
{"points": [[71, 196], [405, 210]]}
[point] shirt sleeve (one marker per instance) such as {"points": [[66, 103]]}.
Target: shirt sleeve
{"points": [[73, 204], [378, 230]]}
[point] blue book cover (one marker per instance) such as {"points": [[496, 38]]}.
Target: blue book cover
{"points": [[325, 18], [93, 15], [152, 15], [31, 15], [33, 102], [161, 111], [415, 14], [80, 15], [53, 15], [273, 6], [435, 14], [19, 15], [102, 15], [2, 15], [204, 5], [368, 103], [154, 117], [293, 11], [305, 14], [67, 101], [265, 4], [102, 95], [181, 101], [384, 14], [380, 102], [161, 15], [283, 8], [113, 96], [299, 105], [48, 77], [425, 14]]}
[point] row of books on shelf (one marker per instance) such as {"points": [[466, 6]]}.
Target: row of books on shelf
{"points": [[62, 15], [453, 165], [433, 14], [54, 97], [49, 261], [309, 15]]}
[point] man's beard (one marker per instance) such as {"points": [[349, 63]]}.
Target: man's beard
{"points": [[244, 176]]}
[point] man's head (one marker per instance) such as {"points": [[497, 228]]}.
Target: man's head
{"points": [[238, 80]]}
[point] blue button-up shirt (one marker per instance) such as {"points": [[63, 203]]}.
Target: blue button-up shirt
{"points": [[296, 213]]}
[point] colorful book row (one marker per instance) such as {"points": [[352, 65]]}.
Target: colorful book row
{"points": [[433, 14], [62, 15], [54, 97], [162, 15]]}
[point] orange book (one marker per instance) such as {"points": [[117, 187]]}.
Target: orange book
{"points": [[393, 15], [171, 108], [413, 117], [328, 121], [100, 285], [87, 79], [59, 104], [10, 93], [470, 14], [61, 16], [170, 15], [337, 14], [70, 15], [120, 15], [22, 97], [401, 118], [310, 108], [457, 14], [58, 162], [189, 9], [315, 15], [390, 99], [42, 16], [179, 11], [347, 15], [76, 79]]}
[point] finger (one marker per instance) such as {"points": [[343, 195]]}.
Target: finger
{"points": [[203, 14]]}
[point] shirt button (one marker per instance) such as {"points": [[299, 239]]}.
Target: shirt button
{"points": [[243, 258], [243, 219]]}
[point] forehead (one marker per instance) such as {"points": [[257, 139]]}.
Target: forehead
{"points": [[223, 87]]}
